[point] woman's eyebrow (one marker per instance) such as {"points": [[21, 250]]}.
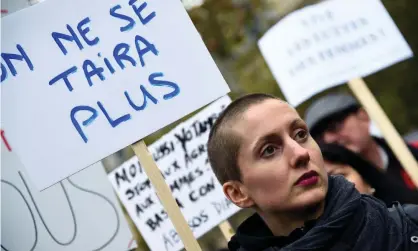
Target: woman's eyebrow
{"points": [[265, 138], [296, 122]]}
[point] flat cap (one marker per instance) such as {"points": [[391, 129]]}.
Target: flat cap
{"points": [[327, 106]]}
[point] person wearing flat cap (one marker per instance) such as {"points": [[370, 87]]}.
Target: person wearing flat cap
{"points": [[338, 118]]}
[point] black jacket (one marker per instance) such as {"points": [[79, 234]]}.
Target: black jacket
{"points": [[350, 222]]}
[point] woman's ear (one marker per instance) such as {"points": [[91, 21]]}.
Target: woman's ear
{"points": [[236, 192]]}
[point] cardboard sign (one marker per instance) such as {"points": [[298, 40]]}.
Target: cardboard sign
{"points": [[83, 79], [327, 44], [80, 213], [182, 158]]}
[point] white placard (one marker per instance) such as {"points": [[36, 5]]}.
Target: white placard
{"points": [[92, 77], [181, 156], [329, 43], [80, 213]]}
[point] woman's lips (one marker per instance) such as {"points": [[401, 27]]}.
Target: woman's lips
{"points": [[308, 179]]}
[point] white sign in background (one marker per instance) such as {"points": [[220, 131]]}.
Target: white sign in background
{"points": [[83, 79], [80, 213], [182, 158], [330, 43]]}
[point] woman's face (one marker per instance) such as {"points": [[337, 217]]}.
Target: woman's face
{"points": [[350, 174], [281, 165]]}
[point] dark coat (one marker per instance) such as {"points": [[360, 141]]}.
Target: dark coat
{"points": [[350, 222]]}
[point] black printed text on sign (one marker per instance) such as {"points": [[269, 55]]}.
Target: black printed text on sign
{"points": [[181, 156]]}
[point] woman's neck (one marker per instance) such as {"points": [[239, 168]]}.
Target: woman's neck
{"points": [[282, 224]]}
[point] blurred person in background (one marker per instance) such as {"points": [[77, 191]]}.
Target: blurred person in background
{"points": [[338, 118], [265, 159], [367, 178]]}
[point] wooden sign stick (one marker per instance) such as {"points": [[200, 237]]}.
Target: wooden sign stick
{"points": [[226, 229], [375, 111], [165, 196]]}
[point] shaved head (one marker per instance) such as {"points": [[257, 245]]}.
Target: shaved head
{"points": [[224, 142]]}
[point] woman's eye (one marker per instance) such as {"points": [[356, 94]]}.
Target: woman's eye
{"points": [[268, 151], [302, 134]]}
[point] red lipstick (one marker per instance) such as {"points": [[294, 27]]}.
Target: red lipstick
{"points": [[308, 179]]}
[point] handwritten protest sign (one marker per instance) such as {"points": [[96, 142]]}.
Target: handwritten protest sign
{"points": [[80, 213], [182, 158], [83, 79], [329, 43]]}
